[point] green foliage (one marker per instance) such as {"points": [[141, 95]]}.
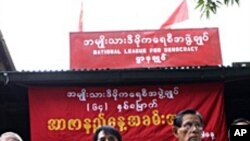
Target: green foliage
{"points": [[208, 6]]}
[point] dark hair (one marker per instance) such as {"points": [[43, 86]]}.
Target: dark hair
{"points": [[107, 130], [179, 117], [240, 120]]}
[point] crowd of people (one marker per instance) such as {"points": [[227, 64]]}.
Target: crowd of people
{"points": [[187, 126]]}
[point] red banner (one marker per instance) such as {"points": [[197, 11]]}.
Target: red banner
{"points": [[143, 49], [138, 112]]}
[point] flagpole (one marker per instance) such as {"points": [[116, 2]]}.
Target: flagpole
{"points": [[80, 26]]}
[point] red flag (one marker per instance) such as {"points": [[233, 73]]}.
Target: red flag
{"points": [[80, 28], [180, 14]]}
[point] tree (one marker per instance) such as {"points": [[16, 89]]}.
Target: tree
{"points": [[208, 6]]}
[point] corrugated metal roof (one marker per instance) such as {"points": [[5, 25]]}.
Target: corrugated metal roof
{"points": [[126, 76]]}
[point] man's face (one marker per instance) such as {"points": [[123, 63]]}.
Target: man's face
{"points": [[190, 130], [106, 137]]}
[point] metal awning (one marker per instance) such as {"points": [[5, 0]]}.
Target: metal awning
{"points": [[127, 76]]}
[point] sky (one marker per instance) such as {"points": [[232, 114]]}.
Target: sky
{"points": [[37, 31]]}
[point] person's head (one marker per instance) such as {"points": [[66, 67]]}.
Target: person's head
{"points": [[188, 125], [10, 136], [241, 121], [107, 133]]}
